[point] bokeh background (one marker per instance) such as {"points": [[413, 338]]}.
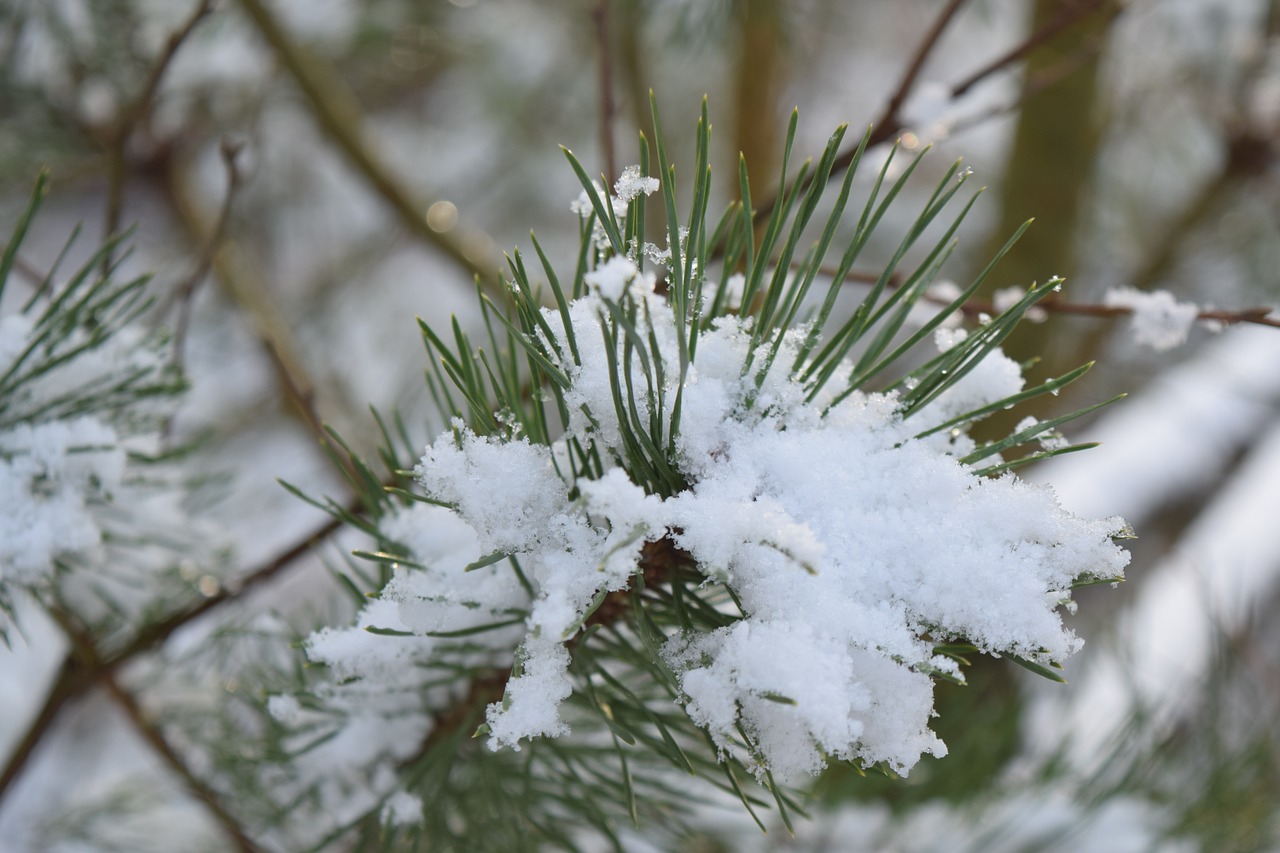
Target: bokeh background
{"points": [[303, 178]]}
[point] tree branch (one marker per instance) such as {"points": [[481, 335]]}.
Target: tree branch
{"points": [[184, 295], [1260, 315], [155, 738], [240, 281], [1071, 13], [338, 113], [890, 121], [657, 561], [74, 679]]}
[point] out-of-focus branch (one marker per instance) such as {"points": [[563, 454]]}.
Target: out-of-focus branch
{"points": [[68, 684], [890, 121], [240, 280], [1071, 13], [85, 651], [184, 295], [75, 679], [1260, 316], [608, 107], [155, 738], [1035, 84], [338, 113], [134, 117]]}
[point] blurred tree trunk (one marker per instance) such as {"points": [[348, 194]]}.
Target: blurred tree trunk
{"points": [[1050, 167], [757, 83]]}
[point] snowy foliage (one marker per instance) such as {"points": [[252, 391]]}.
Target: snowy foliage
{"points": [[84, 395], [843, 542], [851, 546]]}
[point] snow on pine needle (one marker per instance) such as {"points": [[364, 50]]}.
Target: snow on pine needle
{"points": [[89, 518], [791, 539]]}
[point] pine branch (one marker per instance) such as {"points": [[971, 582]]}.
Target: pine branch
{"points": [[657, 559], [1071, 14]]}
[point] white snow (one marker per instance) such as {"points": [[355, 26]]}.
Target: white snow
{"points": [[632, 184], [1159, 320]]}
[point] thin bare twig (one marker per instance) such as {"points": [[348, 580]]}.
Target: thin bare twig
{"points": [[24, 268], [890, 121], [135, 116], [1071, 13], [1260, 316], [67, 686], [184, 294], [85, 651], [240, 280], [1034, 85]]}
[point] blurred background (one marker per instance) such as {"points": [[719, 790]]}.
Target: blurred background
{"points": [[303, 178]]}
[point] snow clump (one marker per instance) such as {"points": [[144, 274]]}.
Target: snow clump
{"points": [[852, 546], [1159, 320]]}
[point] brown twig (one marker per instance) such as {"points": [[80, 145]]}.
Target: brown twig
{"points": [[85, 652], [69, 684], [890, 120], [1046, 79], [600, 19], [1260, 316], [155, 738], [184, 294], [240, 280], [338, 113], [135, 116], [25, 268]]}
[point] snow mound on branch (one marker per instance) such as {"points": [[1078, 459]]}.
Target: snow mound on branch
{"points": [[1159, 320]]}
